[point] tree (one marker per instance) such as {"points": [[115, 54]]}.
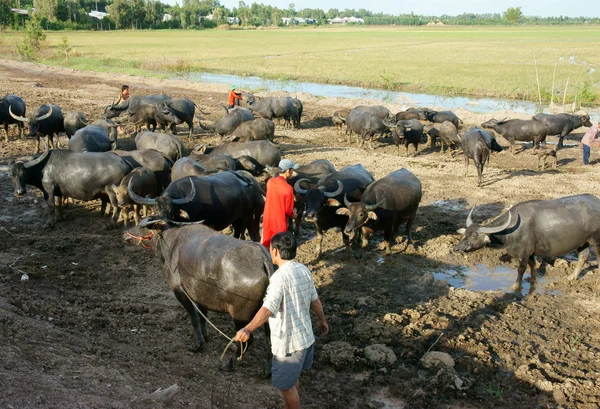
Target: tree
{"points": [[46, 8], [513, 14], [33, 35], [6, 17]]}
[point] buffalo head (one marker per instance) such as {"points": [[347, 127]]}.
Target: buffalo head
{"points": [[317, 198], [358, 213], [33, 122], [476, 236], [166, 206], [18, 172], [585, 120]]}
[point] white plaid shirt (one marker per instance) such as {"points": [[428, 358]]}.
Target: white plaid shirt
{"points": [[290, 292]]}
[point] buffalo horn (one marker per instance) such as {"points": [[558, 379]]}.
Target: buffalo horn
{"points": [[45, 116], [184, 223], [347, 202], [38, 159], [469, 219], [18, 118], [298, 188], [337, 191], [188, 198], [496, 229], [139, 199], [374, 206]]}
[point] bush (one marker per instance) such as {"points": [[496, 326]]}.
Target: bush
{"points": [[33, 36]]}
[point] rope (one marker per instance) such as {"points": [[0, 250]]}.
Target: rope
{"points": [[242, 349], [141, 239]]}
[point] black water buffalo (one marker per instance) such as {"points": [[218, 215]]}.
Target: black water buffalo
{"points": [[299, 108], [562, 124], [79, 175], [110, 127], [265, 152], [230, 121], [218, 272], [324, 197], [544, 228], [47, 121], [441, 116], [221, 199], [477, 144], [544, 152], [176, 111], [366, 125], [407, 132], [90, 138], [73, 122], [410, 113], [284, 107], [385, 205], [18, 108], [449, 136], [142, 115], [143, 183], [214, 163], [379, 111], [167, 144], [151, 160], [525, 130], [433, 134], [339, 119], [131, 104], [254, 130], [185, 167]]}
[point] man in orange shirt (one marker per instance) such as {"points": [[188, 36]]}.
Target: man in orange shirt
{"points": [[234, 97], [279, 204]]}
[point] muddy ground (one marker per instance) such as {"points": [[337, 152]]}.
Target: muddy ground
{"points": [[96, 327]]}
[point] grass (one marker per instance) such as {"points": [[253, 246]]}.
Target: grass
{"points": [[482, 61]]}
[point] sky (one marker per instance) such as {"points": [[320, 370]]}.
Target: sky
{"points": [[544, 8]]}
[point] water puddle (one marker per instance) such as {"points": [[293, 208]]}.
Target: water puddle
{"points": [[476, 105]]}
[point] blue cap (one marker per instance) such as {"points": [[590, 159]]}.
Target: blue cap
{"points": [[286, 164]]}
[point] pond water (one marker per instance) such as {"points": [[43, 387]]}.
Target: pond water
{"points": [[476, 105]]}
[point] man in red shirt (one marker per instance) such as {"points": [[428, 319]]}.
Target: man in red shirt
{"points": [[234, 97], [279, 204]]}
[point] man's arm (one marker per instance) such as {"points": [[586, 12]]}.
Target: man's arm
{"points": [[321, 321], [258, 321], [288, 202]]}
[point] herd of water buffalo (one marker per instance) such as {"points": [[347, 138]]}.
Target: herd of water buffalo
{"points": [[193, 197]]}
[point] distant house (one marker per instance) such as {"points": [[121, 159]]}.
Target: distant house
{"points": [[297, 20], [346, 20], [167, 17], [230, 20], [97, 14], [20, 11]]}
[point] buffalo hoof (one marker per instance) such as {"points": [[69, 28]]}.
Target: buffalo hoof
{"points": [[228, 365], [196, 347]]}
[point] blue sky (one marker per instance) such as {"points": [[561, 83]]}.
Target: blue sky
{"points": [[572, 8]]}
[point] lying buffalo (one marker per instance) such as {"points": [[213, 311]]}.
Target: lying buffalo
{"points": [[407, 132], [216, 271], [513, 130], [73, 122], [441, 116], [131, 104], [544, 228], [47, 121], [265, 152], [254, 130], [167, 144], [151, 160], [91, 138], [562, 124], [477, 144], [18, 108], [143, 183], [385, 205], [230, 121], [176, 111]]}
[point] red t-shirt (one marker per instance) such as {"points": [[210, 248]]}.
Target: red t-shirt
{"points": [[233, 96], [278, 207]]}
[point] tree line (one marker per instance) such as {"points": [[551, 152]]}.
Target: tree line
{"points": [[194, 14]]}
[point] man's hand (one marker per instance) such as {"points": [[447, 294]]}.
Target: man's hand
{"points": [[242, 335], [323, 326]]}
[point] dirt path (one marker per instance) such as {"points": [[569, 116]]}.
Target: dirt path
{"points": [[96, 327]]}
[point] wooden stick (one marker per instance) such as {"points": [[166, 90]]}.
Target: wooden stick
{"points": [[565, 93], [537, 78], [553, 78]]}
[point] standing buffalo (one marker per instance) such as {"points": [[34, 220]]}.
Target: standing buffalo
{"points": [[562, 124], [265, 152], [175, 112], [167, 144], [91, 138], [254, 130], [284, 107], [46, 120], [366, 125], [216, 271], [379, 111], [544, 228], [339, 119], [73, 122], [322, 202], [18, 108], [143, 183], [410, 113], [407, 132], [385, 205], [142, 115], [110, 127], [131, 104], [449, 136], [441, 116], [513, 130], [230, 121], [151, 160], [477, 144]]}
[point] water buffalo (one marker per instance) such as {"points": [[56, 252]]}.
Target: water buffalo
{"points": [[544, 228], [385, 205], [407, 132], [90, 138], [379, 111], [299, 108], [543, 153], [46, 120], [18, 108], [449, 136], [131, 104], [265, 152], [254, 130], [142, 115], [477, 144], [366, 125], [562, 124], [214, 163], [167, 144], [63, 173], [151, 160], [185, 167], [110, 127], [433, 134], [284, 107], [339, 119], [513, 130], [441, 116], [221, 199], [218, 272], [176, 111], [322, 201], [410, 113], [73, 122], [143, 183]]}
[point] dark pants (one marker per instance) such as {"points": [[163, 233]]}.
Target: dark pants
{"points": [[586, 154]]}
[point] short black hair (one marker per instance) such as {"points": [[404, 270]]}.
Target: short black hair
{"points": [[286, 244], [124, 87]]}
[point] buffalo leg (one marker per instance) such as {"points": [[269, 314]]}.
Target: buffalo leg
{"points": [[583, 254], [533, 279], [466, 165], [116, 210], [517, 286], [319, 242], [59, 207], [229, 365], [6, 130], [346, 240], [199, 339], [267, 368], [190, 123], [51, 203]]}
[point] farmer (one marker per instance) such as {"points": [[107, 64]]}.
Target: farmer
{"points": [[279, 204], [234, 97], [589, 139], [124, 96], [290, 295]]}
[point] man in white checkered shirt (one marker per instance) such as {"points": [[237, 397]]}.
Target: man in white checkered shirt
{"points": [[290, 296]]}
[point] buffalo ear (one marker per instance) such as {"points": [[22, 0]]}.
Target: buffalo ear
{"points": [[114, 187], [184, 215], [372, 215], [343, 211], [487, 239], [461, 231], [333, 202]]}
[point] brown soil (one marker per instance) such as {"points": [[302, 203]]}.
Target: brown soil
{"points": [[96, 327]]}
